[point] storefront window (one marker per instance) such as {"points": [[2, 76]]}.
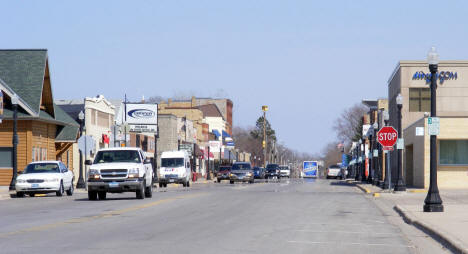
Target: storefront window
{"points": [[453, 152], [420, 100]]}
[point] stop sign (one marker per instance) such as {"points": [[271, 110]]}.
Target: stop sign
{"points": [[387, 136]]}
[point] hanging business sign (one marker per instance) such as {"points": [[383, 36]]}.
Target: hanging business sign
{"points": [[1, 106], [215, 145], [142, 117]]}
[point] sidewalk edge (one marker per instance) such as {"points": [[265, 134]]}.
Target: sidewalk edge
{"points": [[439, 235], [364, 189]]}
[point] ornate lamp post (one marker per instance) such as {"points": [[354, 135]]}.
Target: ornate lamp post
{"points": [[81, 183], [433, 202], [359, 168], [375, 155], [15, 141], [400, 184]]}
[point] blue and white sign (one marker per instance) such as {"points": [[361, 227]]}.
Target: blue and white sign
{"points": [[142, 117], [310, 168], [441, 76]]}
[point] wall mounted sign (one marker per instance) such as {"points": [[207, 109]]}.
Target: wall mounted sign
{"points": [[441, 76]]}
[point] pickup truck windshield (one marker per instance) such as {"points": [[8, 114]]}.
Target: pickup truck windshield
{"points": [[42, 168], [117, 156], [172, 162]]}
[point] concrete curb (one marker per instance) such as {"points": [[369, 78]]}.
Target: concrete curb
{"points": [[439, 235]]}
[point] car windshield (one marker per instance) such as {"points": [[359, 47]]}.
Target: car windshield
{"points": [[334, 167], [117, 156], [172, 162], [271, 167], [241, 166], [42, 168], [284, 168], [224, 168]]}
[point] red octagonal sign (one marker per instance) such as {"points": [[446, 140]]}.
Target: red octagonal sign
{"points": [[387, 136]]}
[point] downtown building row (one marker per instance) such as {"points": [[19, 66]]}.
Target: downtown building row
{"points": [[49, 129], [411, 79]]}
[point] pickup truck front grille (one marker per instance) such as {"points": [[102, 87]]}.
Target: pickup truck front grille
{"points": [[113, 173]]}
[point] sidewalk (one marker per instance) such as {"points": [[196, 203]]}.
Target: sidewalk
{"points": [[449, 227], [4, 193]]}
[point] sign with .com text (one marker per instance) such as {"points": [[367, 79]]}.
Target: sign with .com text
{"points": [[141, 114]]}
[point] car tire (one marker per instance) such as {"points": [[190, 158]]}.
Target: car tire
{"points": [[184, 184], [231, 182], [71, 190], [102, 195], [140, 193], [161, 185], [32, 194], [251, 181], [187, 184], [219, 180], [60, 192], [92, 195], [149, 191], [19, 194]]}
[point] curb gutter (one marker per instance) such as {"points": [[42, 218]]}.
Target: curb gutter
{"points": [[441, 236], [364, 189]]}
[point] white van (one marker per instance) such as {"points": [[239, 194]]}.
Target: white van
{"points": [[175, 168]]}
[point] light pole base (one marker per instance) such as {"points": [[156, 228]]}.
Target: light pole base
{"points": [[80, 184], [400, 186], [429, 208]]}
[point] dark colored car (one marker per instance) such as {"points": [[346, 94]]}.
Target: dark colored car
{"points": [[241, 172], [223, 173], [273, 171], [259, 173]]}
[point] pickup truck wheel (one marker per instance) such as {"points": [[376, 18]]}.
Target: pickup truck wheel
{"points": [[188, 184], [60, 192], [92, 195], [149, 191], [19, 194], [140, 193], [184, 184], [232, 182], [102, 195], [161, 185]]}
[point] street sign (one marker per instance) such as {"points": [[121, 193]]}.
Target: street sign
{"points": [[387, 136], [433, 125], [400, 144], [419, 131], [365, 129]]}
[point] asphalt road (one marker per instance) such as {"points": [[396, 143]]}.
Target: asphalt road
{"points": [[297, 216]]}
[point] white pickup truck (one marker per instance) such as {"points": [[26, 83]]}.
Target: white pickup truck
{"points": [[122, 169]]}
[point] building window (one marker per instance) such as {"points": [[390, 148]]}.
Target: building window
{"points": [[419, 100], [102, 119], [6, 156], [93, 116], [453, 152]]}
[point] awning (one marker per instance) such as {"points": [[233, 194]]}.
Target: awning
{"points": [[225, 134], [216, 133]]}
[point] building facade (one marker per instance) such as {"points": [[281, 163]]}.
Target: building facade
{"points": [[411, 79]]}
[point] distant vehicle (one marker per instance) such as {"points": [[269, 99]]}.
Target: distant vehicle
{"points": [[175, 168], [120, 169], [223, 173], [310, 169], [259, 173], [241, 172], [273, 171], [333, 171], [285, 171], [44, 177]]}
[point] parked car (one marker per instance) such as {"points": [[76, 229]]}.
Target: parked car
{"points": [[223, 173], [120, 169], [273, 171], [175, 168], [285, 171], [333, 171], [259, 173], [45, 177], [241, 172]]}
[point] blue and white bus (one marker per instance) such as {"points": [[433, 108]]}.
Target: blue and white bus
{"points": [[310, 169]]}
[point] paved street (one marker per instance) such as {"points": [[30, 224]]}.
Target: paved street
{"points": [[297, 216]]}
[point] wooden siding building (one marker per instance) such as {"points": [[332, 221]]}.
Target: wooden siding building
{"points": [[45, 131]]}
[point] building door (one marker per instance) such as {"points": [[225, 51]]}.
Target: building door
{"points": [[409, 165]]}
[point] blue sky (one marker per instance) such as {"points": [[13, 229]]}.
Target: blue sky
{"points": [[307, 60]]}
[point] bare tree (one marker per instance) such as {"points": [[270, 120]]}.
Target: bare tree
{"points": [[348, 125]]}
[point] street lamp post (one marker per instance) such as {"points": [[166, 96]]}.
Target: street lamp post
{"points": [[208, 175], [81, 183], [15, 141], [359, 174], [375, 156], [433, 202], [400, 184], [264, 109], [371, 147]]}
